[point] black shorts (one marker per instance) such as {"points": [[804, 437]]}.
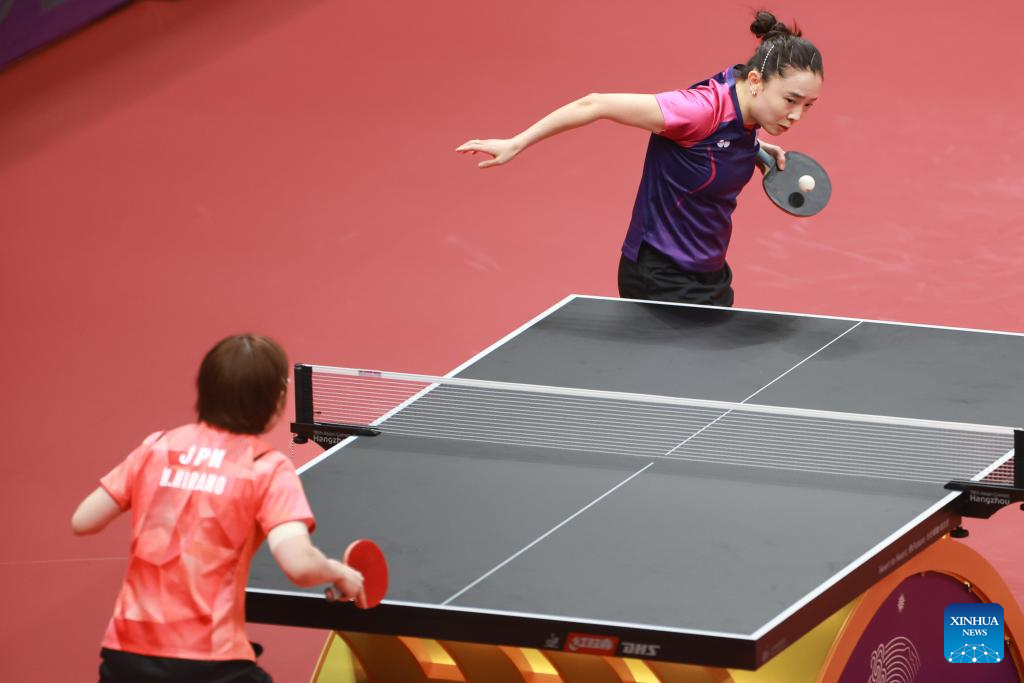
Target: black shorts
{"points": [[128, 667], [656, 277]]}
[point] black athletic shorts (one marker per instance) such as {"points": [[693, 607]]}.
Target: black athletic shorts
{"points": [[128, 667], [656, 277]]}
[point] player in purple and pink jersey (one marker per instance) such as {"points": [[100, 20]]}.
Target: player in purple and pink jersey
{"points": [[702, 152]]}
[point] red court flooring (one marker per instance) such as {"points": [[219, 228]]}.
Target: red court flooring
{"points": [[183, 170]]}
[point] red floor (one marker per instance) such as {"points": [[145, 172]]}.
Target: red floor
{"points": [[184, 170]]}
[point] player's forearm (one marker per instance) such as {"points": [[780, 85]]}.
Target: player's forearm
{"points": [[312, 568], [572, 115]]}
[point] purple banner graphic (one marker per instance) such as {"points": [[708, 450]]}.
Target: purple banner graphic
{"points": [[904, 641], [28, 24]]}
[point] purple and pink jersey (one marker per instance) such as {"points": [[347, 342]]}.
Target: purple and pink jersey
{"points": [[693, 172]]}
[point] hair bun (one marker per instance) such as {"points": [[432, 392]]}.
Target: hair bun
{"points": [[765, 26]]}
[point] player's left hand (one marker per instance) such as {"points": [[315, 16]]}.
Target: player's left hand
{"points": [[502, 151], [777, 153]]}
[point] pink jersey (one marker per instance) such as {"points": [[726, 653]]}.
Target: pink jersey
{"points": [[202, 502]]}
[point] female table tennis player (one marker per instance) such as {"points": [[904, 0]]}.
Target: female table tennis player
{"points": [[701, 153], [203, 497]]}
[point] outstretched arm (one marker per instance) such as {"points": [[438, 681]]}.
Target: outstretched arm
{"points": [[639, 111], [304, 564]]}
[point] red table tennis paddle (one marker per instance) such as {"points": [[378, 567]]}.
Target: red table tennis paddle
{"points": [[783, 187], [368, 559]]}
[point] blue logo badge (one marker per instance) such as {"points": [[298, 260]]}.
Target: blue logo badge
{"points": [[974, 633]]}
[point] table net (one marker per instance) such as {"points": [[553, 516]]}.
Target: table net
{"points": [[648, 426]]}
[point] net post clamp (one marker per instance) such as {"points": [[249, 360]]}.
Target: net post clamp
{"points": [[982, 500], [328, 434]]}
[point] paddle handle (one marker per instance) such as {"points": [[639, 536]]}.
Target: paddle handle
{"points": [[767, 159], [334, 595]]}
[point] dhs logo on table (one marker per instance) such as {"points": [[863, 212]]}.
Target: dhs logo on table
{"points": [[974, 633], [585, 643]]}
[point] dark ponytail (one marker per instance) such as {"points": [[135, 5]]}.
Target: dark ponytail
{"points": [[781, 48]]}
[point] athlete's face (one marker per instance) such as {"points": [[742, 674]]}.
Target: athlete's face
{"points": [[782, 101]]}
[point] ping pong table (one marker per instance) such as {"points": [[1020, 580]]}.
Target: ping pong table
{"points": [[718, 540]]}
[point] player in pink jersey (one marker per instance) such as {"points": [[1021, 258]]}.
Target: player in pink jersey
{"points": [[701, 153], [203, 497]]}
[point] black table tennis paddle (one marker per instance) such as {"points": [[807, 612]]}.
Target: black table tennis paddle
{"points": [[783, 188]]}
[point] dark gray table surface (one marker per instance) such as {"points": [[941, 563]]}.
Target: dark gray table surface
{"points": [[669, 544]]}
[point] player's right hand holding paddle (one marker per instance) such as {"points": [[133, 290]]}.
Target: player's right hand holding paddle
{"points": [[347, 586], [366, 559]]}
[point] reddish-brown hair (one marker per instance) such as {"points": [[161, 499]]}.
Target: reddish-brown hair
{"points": [[241, 384]]}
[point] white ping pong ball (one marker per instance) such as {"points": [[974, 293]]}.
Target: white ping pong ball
{"points": [[805, 183]]}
